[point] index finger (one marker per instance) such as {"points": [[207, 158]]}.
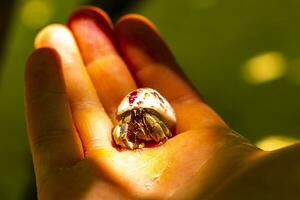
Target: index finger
{"points": [[92, 122], [53, 138]]}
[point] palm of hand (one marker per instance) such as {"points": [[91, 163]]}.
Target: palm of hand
{"points": [[172, 170], [81, 162]]}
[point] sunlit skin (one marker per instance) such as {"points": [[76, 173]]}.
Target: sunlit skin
{"points": [[74, 81]]}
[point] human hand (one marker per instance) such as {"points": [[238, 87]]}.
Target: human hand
{"points": [[73, 83]]}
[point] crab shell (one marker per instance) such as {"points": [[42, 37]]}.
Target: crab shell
{"points": [[147, 98]]}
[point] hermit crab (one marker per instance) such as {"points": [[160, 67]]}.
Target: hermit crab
{"points": [[144, 117]]}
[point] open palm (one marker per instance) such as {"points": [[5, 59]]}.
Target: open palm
{"points": [[75, 80]]}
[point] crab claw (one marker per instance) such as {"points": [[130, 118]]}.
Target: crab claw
{"points": [[120, 135]]}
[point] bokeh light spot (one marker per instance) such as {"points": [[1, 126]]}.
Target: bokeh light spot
{"points": [[35, 13], [275, 142], [265, 67]]}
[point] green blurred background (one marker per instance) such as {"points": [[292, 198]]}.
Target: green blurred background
{"points": [[243, 56]]}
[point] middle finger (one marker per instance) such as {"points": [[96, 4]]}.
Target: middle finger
{"points": [[93, 32]]}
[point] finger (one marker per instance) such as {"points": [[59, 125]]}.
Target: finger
{"points": [[92, 122], [92, 30], [153, 65], [52, 135]]}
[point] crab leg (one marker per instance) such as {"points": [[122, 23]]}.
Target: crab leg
{"points": [[167, 132], [156, 131]]}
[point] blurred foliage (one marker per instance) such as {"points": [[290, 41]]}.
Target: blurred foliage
{"points": [[243, 56]]}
